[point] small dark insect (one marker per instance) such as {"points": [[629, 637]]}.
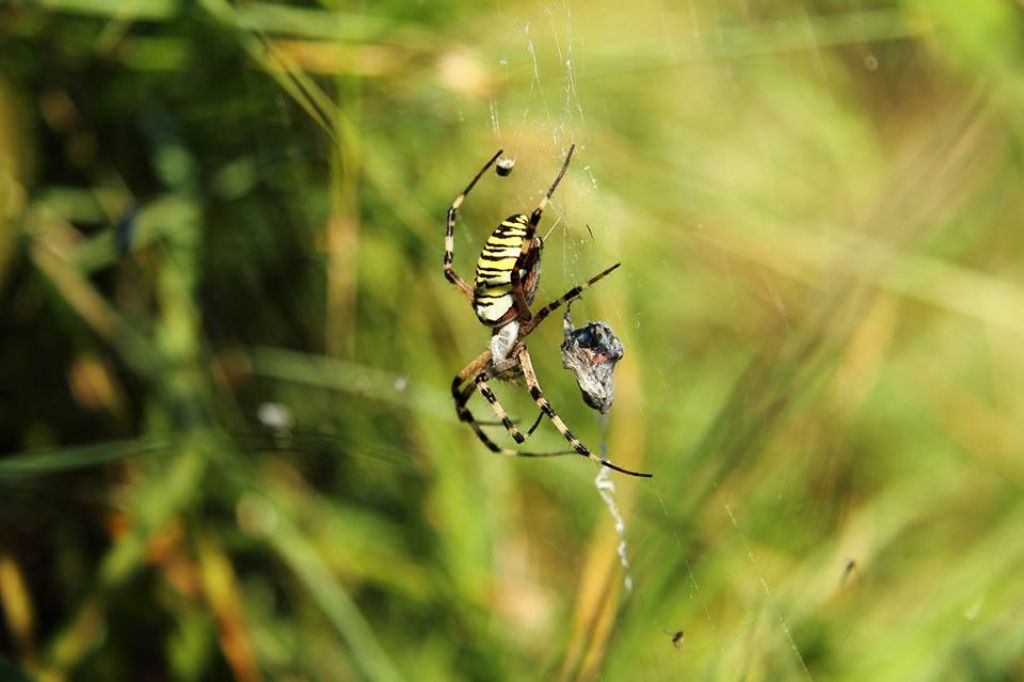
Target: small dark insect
{"points": [[848, 571], [590, 353], [677, 637], [505, 165]]}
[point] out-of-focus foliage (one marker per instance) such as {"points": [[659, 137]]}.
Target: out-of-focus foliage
{"points": [[226, 344]]}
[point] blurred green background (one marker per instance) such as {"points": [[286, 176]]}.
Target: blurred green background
{"points": [[229, 449]]}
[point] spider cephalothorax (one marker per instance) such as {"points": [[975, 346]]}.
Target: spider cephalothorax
{"points": [[504, 286]]}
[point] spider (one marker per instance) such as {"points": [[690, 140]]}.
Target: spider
{"points": [[507, 274]]}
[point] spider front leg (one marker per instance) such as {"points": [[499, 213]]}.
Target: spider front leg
{"points": [[545, 407], [449, 241], [570, 295], [537, 212], [528, 245]]}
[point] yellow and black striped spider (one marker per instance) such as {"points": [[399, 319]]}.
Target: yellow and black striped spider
{"points": [[507, 274]]}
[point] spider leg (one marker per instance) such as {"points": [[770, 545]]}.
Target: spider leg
{"points": [[545, 406], [509, 424], [537, 212], [570, 295], [499, 411], [449, 245], [494, 422], [531, 229], [488, 394], [462, 396], [536, 423]]}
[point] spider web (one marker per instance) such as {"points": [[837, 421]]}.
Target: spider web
{"points": [[566, 124], [664, 606], [563, 117], [550, 48]]}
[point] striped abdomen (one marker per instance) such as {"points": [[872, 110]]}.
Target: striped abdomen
{"points": [[492, 297]]}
